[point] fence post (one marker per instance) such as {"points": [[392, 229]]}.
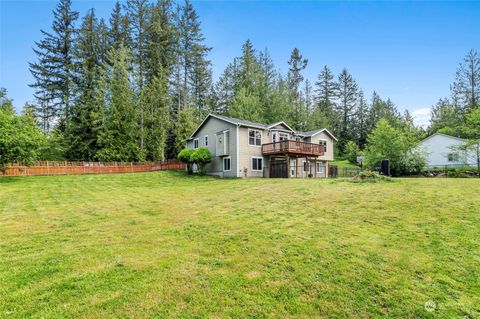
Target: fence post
{"points": [[48, 169]]}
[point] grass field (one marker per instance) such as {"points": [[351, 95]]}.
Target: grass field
{"points": [[344, 164], [161, 245]]}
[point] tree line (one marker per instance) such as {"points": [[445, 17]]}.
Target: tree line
{"points": [[133, 88]]}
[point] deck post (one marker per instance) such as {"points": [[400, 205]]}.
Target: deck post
{"points": [[288, 165], [296, 168]]}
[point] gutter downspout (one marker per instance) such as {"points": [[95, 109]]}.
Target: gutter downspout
{"points": [[238, 152]]}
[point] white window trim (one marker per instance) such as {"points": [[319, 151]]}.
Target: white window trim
{"points": [[205, 140], [223, 163], [320, 167], [261, 137], [196, 139], [282, 133], [251, 163]]}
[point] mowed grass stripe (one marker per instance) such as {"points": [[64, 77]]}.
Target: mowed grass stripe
{"points": [[156, 245]]}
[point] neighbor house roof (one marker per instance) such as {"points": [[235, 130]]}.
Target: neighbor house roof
{"points": [[441, 134], [246, 123]]}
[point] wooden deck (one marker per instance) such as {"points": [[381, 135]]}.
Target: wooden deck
{"points": [[292, 148]]}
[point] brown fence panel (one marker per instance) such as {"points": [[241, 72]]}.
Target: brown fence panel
{"points": [[79, 168]]}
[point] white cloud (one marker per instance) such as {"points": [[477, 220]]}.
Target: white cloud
{"points": [[421, 117]]}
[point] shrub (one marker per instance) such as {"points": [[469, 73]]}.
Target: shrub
{"points": [[185, 156], [201, 157], [368, 176]]}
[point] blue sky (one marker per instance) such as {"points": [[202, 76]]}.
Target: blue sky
{"points": [[407, 51]]}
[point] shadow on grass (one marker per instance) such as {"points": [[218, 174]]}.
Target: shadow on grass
{"points": [[9, 179]]}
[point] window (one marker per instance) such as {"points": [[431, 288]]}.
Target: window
{"points": [[206, 140], [320, 168], [324, 143], [453, 157], [257, 163], [283, 136], [195, 143], [304, 166], [227, 164], [254, 137]]}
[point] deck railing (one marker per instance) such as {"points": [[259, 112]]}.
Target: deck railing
{"points": [[292, 147]]}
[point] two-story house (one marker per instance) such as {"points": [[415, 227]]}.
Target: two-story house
{"points": [[246, 149]]}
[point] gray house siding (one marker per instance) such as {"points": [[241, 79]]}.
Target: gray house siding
{"points": [[210, 128]]}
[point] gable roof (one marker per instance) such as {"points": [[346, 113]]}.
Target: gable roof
{"points": [[281, 123], [315, 132], [441, 134], [230, 120], [240, 122]]}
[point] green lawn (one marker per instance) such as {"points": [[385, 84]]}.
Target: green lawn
{"points": [[160, 245], [343, 164]]}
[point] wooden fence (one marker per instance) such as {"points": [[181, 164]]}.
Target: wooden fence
{"points": [[78, 168]]}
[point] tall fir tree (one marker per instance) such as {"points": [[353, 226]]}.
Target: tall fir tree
{"points": [[80, 133], [138, 13], [54, 68], [346, 106], [119, 28], [381, 109], [326, 90], [466, 88], [195, 67], [119, 137], [297, 65], [361, 120]]}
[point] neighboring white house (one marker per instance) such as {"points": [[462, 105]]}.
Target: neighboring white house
{"points": [[441, 150]]}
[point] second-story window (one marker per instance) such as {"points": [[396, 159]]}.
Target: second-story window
{"points": [[206, 140], [195, 143], [283, 136], [255, 137], [324, 143]]}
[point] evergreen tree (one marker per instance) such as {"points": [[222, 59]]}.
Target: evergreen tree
{"points": [[346, 107], [118, 139], [161, 42], [119, 28], [446, 118], [80, 133], [295, 78], [361, 120], [308, 96], [278, 107], [6, 104], [157, 119], [138, 11], [466, 87], [224, 90], [247, 106], [53, 72], [183, 128], [326, 90], [381, 109], [296, 65], [196, 73]]}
